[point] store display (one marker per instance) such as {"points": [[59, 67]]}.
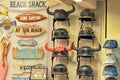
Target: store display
{"points": [[85, 70], [28, 53], [27, 42], [110, 78], [110, 44], [30, 17], [61, 15], [29, 31], [87, 15], [110, 70], [110, 58]]}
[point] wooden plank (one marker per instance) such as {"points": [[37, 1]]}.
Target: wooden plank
{"points": [[30, 17], [21, 69], [20, 78], [29, 31], [28, 53], [27, 42]]}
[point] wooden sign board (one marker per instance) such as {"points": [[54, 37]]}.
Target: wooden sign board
{"points": [[21, 69], [28, 31], [38, 74], [20, 78], [27, 42], [30, 17], [28, 53]]}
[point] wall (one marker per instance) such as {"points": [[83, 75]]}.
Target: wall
{"points": [[73, 31]]}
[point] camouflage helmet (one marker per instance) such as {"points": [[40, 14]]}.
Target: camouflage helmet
{"points": [[87, 15], [86, 33]]}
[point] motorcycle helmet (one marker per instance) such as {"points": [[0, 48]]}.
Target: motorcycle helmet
{"points": [[110, 70], [86, 33], [59, 69], [110, 58], [110, 78], [85, 70], [60, 33], [61, 14], [87, 15], [110, 44]]}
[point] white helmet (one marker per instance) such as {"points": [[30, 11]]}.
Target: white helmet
{"points": [[110, 58]]}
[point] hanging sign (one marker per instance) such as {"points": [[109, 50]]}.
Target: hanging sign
{"points": [[28, 53], [29, 31], [30, 17], [27, 42]]}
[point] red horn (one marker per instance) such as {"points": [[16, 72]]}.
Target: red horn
{"points": [[48, 48], [68, 48]]}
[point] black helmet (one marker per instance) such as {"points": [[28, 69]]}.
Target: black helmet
{"points": [[60, 14], [85, 70], [59, 69], [110, 78], [85, 51], [87, 15], [60, 33], [86, 33]]}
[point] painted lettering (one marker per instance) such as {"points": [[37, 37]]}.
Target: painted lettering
{"points": [[27, 4], [36, 4], [34, 17], [23, 18], [18, 4]]}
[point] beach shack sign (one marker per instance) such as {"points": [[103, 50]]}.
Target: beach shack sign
{"points": [[27, 5]]}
